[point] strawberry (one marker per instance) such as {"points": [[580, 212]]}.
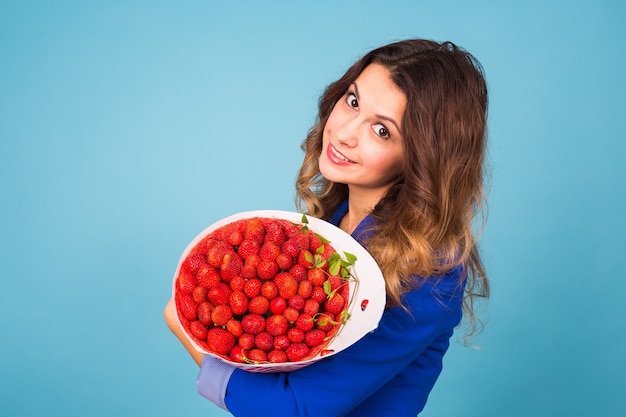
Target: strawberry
{"points": [[253, 324], [314, 337], [204, 313], [299, 272], [269, 290], [258, 305], [305, 322], [221, 314], [297, 351], [198, 330], [238, 302], [255, 230], [274, 234], [234, 327], [199, 294], [301, 240], [220, 341], [276, 325], [295, 335], [291, 314], [231, 266], [235, 237], [276, 356], [237, 283], [335, 304], [314, 242], [248, 248], [284, 261], [316, 276], [237, 354], [186, 282], [290, 248], [305, 258], [193, 262], [246, 341], [252, 287], [264, 341], [217, 250], [286, 284], [219, 294], [267, 269], [187, 307], [311, 307], [305, 289], [318, 294], [335, 282], [278, 305], [296, 301], [207, 276], [257, 356], [281, 342], [325, 322]]}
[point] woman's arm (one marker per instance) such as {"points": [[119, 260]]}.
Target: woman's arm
{"points": [[174, 325]]}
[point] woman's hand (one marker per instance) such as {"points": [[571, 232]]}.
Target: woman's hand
{"points": [[170, 318]]}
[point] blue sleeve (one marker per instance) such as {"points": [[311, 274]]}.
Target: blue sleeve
{"points": [[337, 384]]}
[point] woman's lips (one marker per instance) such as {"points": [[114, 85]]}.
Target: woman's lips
{"points": [[337, 157]]}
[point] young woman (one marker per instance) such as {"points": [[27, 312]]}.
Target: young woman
{"points": [[396, 160]]}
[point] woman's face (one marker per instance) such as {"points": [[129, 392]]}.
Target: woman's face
{"points": [[362, 145]]}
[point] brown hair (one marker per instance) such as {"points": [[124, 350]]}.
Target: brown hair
{"points": [[424, 222]]}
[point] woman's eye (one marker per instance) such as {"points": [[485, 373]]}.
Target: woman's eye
{"points": [[381, 130], [352, 101]]}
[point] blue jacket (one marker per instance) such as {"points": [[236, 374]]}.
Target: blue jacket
{"points": [[388, 373]]}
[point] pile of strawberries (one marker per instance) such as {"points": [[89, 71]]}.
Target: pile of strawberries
{"points": [[262, 290]]}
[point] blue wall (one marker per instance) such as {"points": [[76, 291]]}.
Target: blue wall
{"points": [[126, 127]]}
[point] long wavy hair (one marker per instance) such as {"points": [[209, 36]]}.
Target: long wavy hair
{"points": [[424, 224]]}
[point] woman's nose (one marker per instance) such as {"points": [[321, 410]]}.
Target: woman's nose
{"points": [[347, 133]]}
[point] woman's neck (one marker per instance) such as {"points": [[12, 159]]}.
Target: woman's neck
{"points": [[359, 206]]}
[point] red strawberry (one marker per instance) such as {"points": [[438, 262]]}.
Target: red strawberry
{"points": [[277, 356], [335, 282], [314, 242], [267, 269], [235, 237], [219, 294], [231, 266], [290, 248], [335, 304], [286, 284], [299, 272], [217, 250], [296, 301], [198, 330], [237, 283], [305, 289], [305, 258], [187, 307], [301, 240], [316, 276], [274, 233], [295, 335], [314, 337], [237, 354], [221, 314], [297, 351], [207, 276], [257, 356], [284, 261], [264, 341], [199, 294], [281, 342], [252, 287], [246, 341], [220, 341], [318, 294], [238, 302], [305, 322], [186, 283], [248, 248], [311, 307], [269, 290], [253, 324], [255, 229], [193, 262], [276, 325], [325, 322], [278, 305], [258, 305], [234, 327], [204, 313], [291, 314]]}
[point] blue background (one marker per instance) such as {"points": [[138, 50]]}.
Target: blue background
{"points": [[127, 127]]}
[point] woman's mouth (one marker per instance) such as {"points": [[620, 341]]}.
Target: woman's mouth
{"points": [[337, 157]]}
